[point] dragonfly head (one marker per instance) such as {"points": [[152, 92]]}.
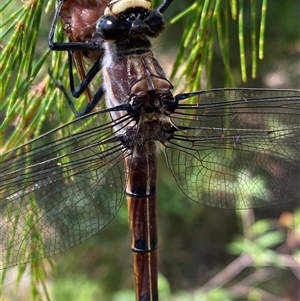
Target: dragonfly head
{"points": [[129, 20]]}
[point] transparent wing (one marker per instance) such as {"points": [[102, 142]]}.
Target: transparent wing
{"points": [[237, 148], [60, 189]]}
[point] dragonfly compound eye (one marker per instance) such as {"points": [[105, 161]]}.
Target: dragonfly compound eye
{"points": [[155, 22], [111, 28]]}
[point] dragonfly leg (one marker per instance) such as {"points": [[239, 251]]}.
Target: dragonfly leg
{"points": [[76, 92], [90, 106], [164, 6]]}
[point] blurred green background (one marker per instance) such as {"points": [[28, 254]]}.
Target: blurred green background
{"points": [[195, 243]]}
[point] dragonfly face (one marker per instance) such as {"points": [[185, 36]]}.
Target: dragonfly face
{"points": [[131, 23]]}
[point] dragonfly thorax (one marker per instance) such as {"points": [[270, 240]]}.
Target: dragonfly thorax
{"points": [[150, 129]]}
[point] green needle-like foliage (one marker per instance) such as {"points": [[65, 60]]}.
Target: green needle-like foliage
{"points": [[211, 32]]}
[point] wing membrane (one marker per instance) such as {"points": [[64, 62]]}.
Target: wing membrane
{"points": [[60, 189], [237, 148]]}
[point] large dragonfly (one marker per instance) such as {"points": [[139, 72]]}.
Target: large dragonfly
{"points": [[226, 148]]}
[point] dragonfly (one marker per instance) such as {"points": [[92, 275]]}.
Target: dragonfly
{"points": [[226, 148]]}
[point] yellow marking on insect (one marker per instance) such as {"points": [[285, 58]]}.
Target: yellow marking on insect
{"points": [[118, 6]]}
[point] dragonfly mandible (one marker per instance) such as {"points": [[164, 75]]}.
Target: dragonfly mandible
{"points": [[227, 148]]}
